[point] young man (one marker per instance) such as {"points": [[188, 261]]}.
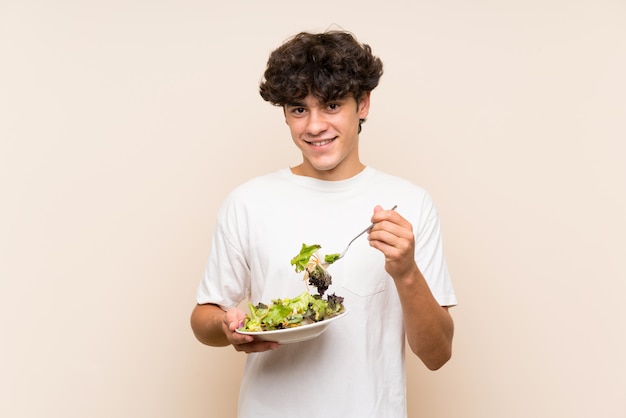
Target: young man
{"points": [[395, 283]]}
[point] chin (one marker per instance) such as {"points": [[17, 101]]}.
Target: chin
{"points": [[324, 167]]}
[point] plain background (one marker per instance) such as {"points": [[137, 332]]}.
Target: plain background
{"points": [[123, 125]]}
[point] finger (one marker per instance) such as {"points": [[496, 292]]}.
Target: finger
{"points": [[381, 214], [256, 346], [234, 325], [234, 319], [389, 231], [237, 339], [392, 240]]}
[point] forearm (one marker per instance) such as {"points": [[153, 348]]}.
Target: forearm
{"points": [[429, 326], [206, 323]]}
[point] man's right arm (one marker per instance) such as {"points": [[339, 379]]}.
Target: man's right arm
{"points": [[207, 325], [213, 326]]}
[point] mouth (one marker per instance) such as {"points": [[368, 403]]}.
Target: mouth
{"points": [[320, 143]]}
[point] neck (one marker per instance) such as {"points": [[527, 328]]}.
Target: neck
{"points": [[335, 174]]}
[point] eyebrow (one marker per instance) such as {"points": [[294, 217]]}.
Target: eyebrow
{"points": [[295, 104]]}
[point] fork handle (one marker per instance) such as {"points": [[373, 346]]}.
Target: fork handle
{"points": [[368, 228]]}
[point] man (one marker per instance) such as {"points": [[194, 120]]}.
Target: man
{"points": [[395, 284]]}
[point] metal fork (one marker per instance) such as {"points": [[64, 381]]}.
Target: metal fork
{"points": [[341, 254]]}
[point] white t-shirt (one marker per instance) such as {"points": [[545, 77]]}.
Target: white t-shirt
{"points": [[355, 368]]}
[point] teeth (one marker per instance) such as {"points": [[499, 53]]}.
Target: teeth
{"points": [[320, 143]]}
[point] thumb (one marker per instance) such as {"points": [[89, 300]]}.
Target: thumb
{"points": [[377, 209]]}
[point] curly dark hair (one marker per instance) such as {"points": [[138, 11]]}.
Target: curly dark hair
{"points": [[329, 65]]}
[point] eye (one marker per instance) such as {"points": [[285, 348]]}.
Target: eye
{"points": [[297, 110], [333, 106]]}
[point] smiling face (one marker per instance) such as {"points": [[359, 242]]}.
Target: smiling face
{"points": [[327, 135]]}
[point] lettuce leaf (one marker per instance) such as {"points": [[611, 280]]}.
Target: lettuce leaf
{"points": [[302, 260], [331, 258]]}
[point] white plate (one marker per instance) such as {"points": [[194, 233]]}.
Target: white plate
{"points": [[296, 334]]}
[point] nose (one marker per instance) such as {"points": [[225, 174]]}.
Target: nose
{"points": [[316, 123]]}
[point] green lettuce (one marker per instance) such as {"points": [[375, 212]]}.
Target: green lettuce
{"points": [[289, 313], [301, 261], [304, 308]]}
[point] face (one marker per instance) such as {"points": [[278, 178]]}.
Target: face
{"points": [[327, 136]]}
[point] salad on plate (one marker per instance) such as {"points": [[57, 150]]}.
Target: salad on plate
{"points": [[305, 308]]}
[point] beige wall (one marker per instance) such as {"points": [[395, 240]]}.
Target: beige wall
{"points": [[124, 123]]}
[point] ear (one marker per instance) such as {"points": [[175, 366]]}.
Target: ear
{"points": [[364, 105]]}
